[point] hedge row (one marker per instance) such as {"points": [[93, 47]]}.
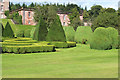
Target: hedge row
{"points": [[28, 49], [15, 44], [104, 38], [63, 44]]}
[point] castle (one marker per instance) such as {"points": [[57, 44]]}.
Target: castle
{"points": [[28, 14]]}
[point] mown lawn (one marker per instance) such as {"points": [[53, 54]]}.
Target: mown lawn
{"points": [[77, 62]]}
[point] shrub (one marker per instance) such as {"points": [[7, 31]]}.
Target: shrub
{"points": [[83, 34], [56, 32], [70, 33], [40, 31], [15, 44], [32, 32], [20, 33], [71, 44], [104, 39], [28, 49], [1, 28], [8, 32], [27, 33]]}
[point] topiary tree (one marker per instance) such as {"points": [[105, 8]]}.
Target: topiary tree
{"points": [[70, 33], [56, 32], [104, 39], [32, 32], [8, 32], [83, 34], [1, 28], [40, 31]]}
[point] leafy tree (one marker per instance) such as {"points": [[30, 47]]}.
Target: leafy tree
{"points": [[94, 12], [7, 13], [40, 31], [106, 20], [8, 32], [110, 10], [32, 5], [24, 5], [74, 18], [56, 32], [85, 16]]}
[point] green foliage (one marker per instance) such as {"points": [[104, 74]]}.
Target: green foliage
{"points": [[8, 32], [83, 34], [70, 33], [28, 49], [75, 19], [1, 29], [56, 32], [40, 31], [71, 44], [20, 33], [106, 20], [110, 10], [32, 32], [7, 13], [104, 38], [59, 44], [85, 15]]}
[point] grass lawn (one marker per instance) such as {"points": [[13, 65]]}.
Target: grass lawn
{"points": [[77, 62]]}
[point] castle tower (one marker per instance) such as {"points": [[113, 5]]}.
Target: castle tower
{"points": [[4, 6]]}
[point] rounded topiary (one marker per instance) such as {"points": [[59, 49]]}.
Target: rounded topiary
{"points": [[40, 31], [113, 34], [104, 39], [56, 32], [70, 33], [8, 32], [83, 34]]}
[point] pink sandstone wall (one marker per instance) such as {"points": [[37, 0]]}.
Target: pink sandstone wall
{"points": [[4, 6]]}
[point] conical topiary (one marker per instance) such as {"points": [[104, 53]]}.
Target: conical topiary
{"points": [[56, 32], [40, 31], [1, 29], [8, 32]]}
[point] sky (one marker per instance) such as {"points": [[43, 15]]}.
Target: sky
{"points": [[83, 3]]}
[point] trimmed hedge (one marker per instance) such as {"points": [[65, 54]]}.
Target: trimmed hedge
{"points": [[15, 44], [83, 34], [56, 32], [104, 38], [8, 32], [63, 44], [32, 32], [28, 49], [71, 44], [40, 31], [70, 33]]}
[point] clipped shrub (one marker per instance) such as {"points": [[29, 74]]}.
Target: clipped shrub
{"points": [[56, 32], [83, 34], [27, 33], [20, 33], [71, 44], [104, 38], [28, 49], [1, 28], [70, 33], [8, 32], [59, 44], [40, 31], [32, 32]]}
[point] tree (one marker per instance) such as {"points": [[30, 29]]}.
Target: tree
{"points": [[7, 13], [94, 12], [8, 32], [74, 18], [24, 5], [31, 5], [110, 10], [40, 31], [56, 32], [106, 20], [85, 16], [1, 28]]}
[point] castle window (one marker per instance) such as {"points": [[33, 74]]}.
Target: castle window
{"points": [[64, 17], [29, 14], [29, 22], [63, 23]]}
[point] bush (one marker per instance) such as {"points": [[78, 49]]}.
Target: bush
{"points": [[40, 31], [71, 44], [56, 32], [83, 34], [28, 49], [15, 44], [8, 32], [70, 33], [20, 33], [32, 32], [104, 39]]}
